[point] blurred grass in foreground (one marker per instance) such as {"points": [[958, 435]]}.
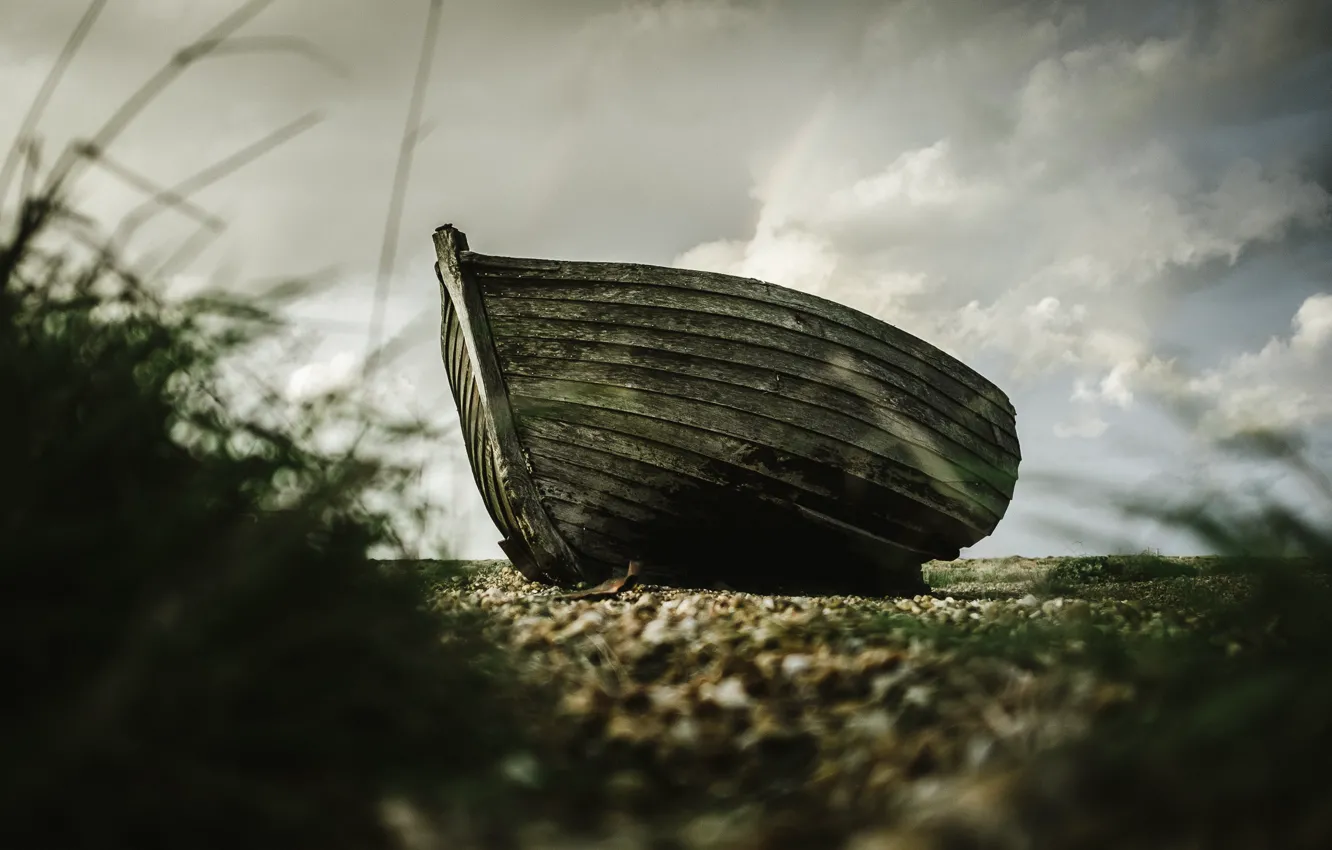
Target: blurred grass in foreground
{"points": [[202, 652], [1226, 742]]}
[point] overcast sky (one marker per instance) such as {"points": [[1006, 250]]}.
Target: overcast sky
{"points": [[1098, 205]]}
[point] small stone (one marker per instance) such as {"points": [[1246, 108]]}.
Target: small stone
{"points": [[656, 632], [918, 695], [626, 786], [875, 723], [684, 732], [794, 665], [589, 621], [521, 769], [1077, 611], [730, 693]]}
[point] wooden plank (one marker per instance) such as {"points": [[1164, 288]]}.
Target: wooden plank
{"points": [[517, 317], [792, 376], [755, 547], [480, 456], [574, 489], [609, 552], [651, 489], [547, 398], [869, 543], [662, 298], [550, 554], [628, 535], [746, 467], [612, 535], [822, 411], [820, 314], [590, 457]]}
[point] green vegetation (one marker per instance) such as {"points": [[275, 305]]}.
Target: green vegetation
{"points": [[1228, 737], [204, 652], [1231, 749], [1073, 573]]}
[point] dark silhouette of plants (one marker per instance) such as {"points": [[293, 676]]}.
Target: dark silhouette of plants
{"points": [[201, 650], [1227, 741]]}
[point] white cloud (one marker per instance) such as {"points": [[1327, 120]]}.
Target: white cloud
{"points": [[922, 178], [1033, 237], [1281, 386], [1085, 424], [312, 380], [777, 253], [1313, 324]]}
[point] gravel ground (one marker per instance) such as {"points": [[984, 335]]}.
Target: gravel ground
{"points": [[708, 719]]}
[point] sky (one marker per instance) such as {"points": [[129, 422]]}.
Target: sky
{"points": [[1107, 208]]}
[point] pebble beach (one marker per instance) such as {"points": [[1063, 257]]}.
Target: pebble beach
{"points": [[709, 719]]}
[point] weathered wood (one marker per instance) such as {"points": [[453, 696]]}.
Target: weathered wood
{"points": [[894, 553], [522, 317], [476, 440], [824, 315], [572, 489], [615, 516], [789, 376], [592, 544], [763, 314], [550, 554], [594, 517], [552, 398], [679, 489], [711, 426], [742, 467], [648, 489], [810, 407]]}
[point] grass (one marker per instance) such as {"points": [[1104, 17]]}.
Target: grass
{"points": [[206, 653], [1226, 742], [1067, 576]]}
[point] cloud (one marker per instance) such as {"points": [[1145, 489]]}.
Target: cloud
{"points": [[1313, 325], [1027, 185], [1044, 234], [312, 380], [1282, 386], [1086, 424]]}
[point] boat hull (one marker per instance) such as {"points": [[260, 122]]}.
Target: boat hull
{"points": [[714, 428]]}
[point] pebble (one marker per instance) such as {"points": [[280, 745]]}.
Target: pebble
{"points": [[756, 696]]}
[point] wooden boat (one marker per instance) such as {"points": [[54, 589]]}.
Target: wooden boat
{"points": [[713, 428]]}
